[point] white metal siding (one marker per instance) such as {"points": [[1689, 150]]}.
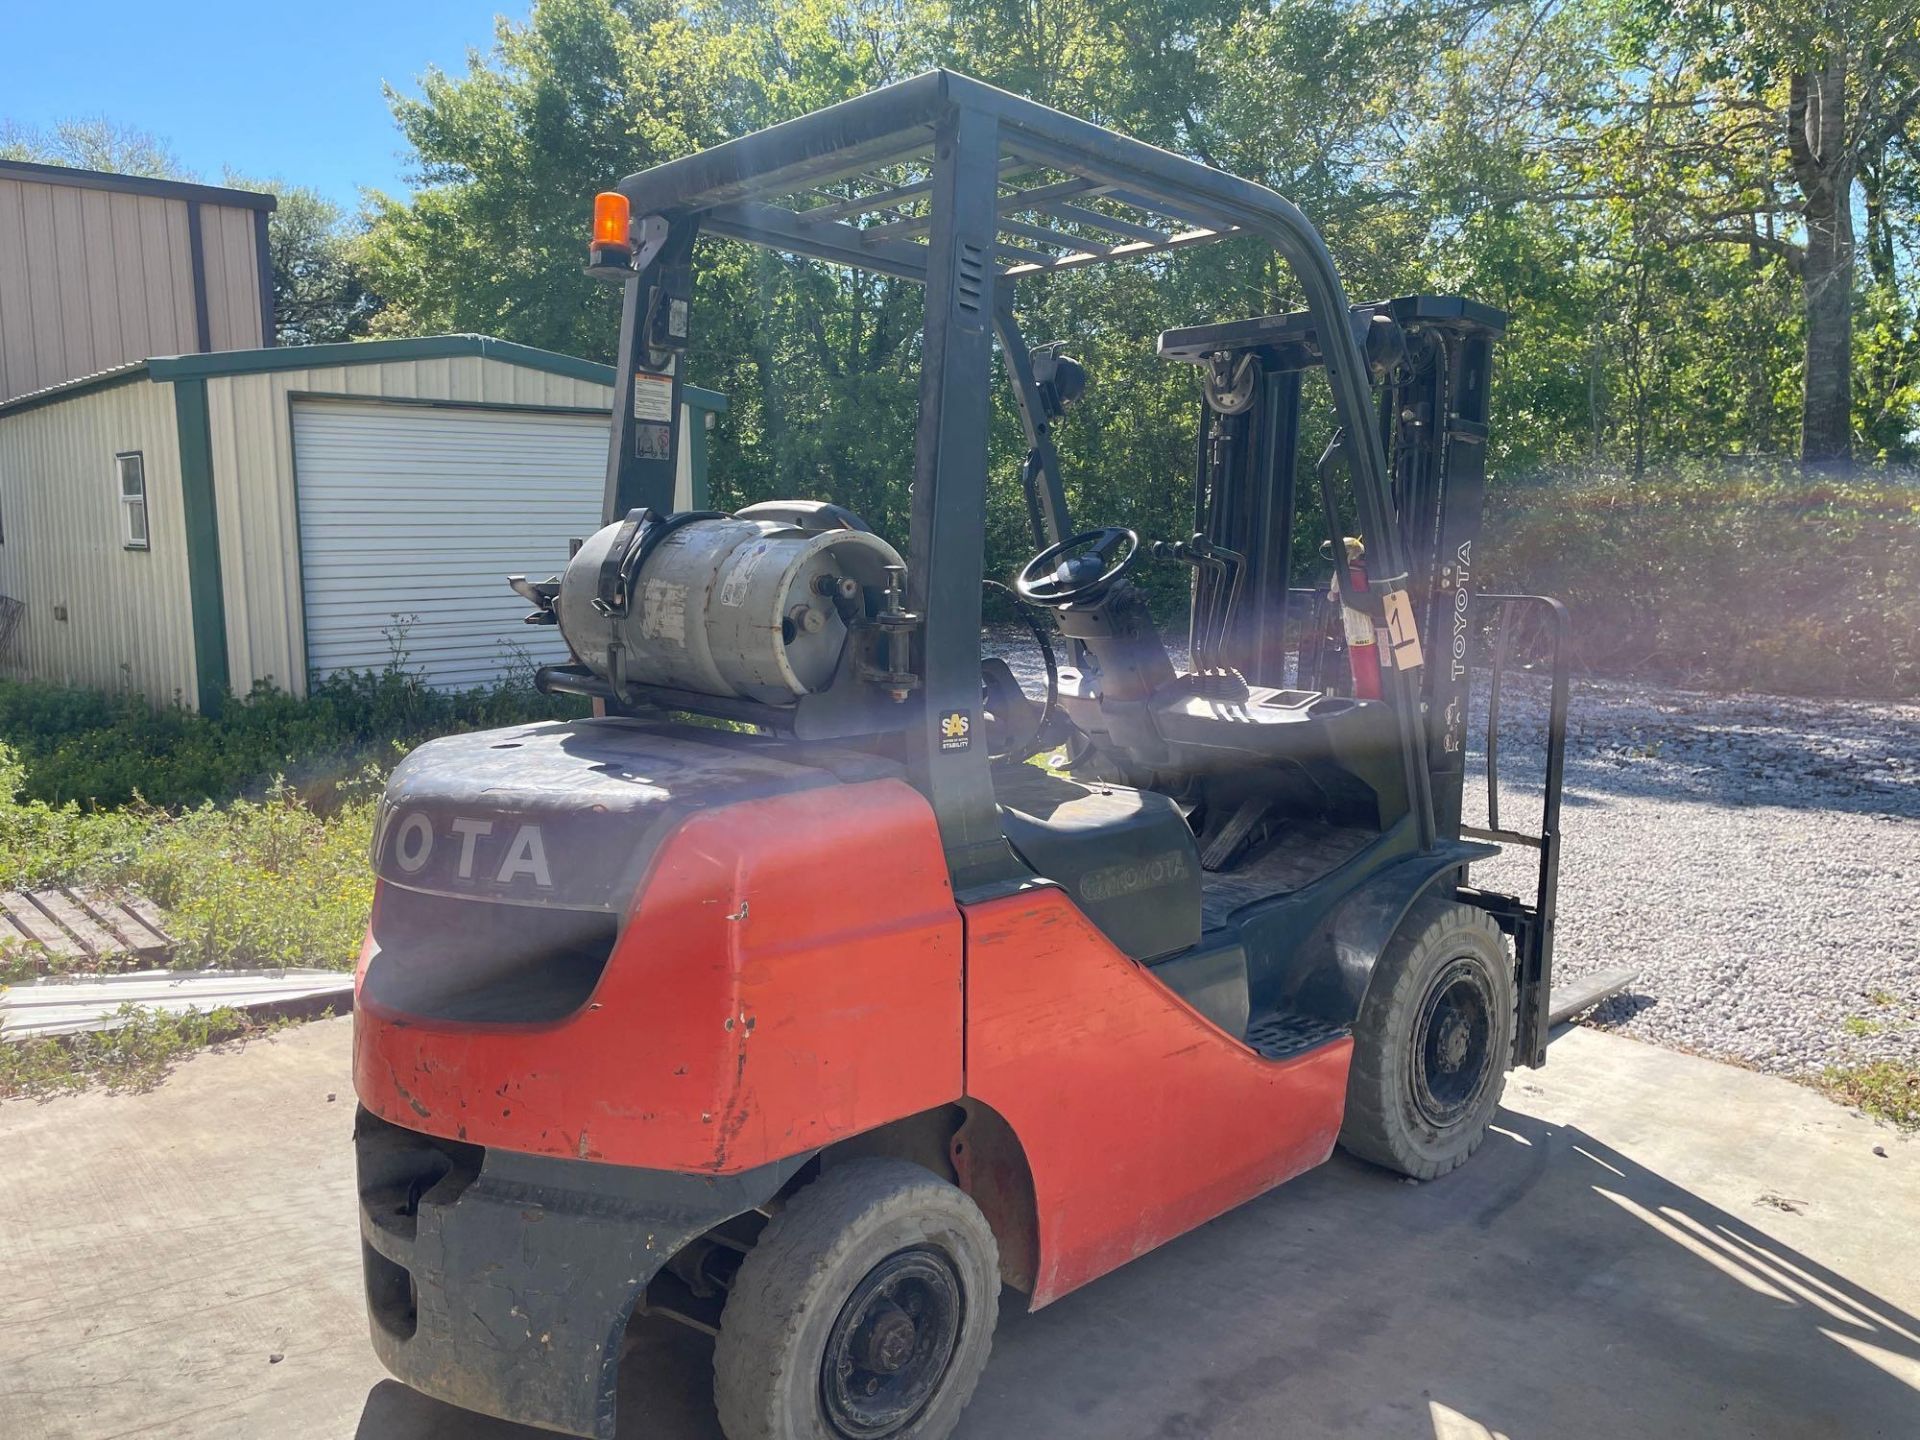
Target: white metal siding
{"points": [[129, 621], [411, 518], [253, 469], [133, 628]]}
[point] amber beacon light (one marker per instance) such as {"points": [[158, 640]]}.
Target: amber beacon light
{"points": [[611, 248]]}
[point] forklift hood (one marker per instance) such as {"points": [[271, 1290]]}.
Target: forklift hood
{"points": [[567, 816]]}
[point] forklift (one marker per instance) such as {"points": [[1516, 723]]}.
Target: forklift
{"points": [[780, 998]]}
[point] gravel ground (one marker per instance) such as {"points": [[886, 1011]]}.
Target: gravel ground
{"points": [[1756, 858]]}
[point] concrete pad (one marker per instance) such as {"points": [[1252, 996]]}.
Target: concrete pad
{"points": [[1651, 1245]]}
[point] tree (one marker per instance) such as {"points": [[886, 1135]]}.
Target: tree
{"points": [[508, 159], [320, 294], [93, 143], [1749, 123]]}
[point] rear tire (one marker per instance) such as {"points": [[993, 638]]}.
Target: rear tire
{"points": [[1433, 1042], [864, 1312]]}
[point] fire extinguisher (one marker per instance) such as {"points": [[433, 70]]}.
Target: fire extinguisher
{"points": [[1363, 650]]}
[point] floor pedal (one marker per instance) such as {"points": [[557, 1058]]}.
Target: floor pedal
{"points": [[1282, 1033]]}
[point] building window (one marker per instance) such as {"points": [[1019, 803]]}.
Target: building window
{"points": [[133, 500]]}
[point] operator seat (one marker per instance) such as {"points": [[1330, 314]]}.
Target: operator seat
{"points": [[1127, 857]]}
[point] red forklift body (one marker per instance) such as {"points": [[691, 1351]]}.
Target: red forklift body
{"points": [[745, 1016], [745, 1012], [1137, 1115]]}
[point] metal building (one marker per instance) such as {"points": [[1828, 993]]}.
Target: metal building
{"points": [[97, 270], [183, 527]]}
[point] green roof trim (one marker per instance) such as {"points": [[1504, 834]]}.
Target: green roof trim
{"points": [[380, 352]]}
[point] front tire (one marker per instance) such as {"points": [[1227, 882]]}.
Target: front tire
{"points": [[864, 1312], [1432, 1043]]}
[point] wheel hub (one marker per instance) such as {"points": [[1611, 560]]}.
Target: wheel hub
{"points": [[888, 1351], [1451, 1044], [887, 1341], [1455, 1037]]}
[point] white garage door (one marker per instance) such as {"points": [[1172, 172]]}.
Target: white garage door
{"points": [[412, 517]]}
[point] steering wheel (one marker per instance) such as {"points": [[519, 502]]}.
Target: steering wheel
{"points": [[1077, 568]]}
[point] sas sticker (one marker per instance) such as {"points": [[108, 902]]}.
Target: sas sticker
{"points": [[955, 730]]}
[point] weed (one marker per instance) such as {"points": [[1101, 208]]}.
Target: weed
{"points": [[102, 751], [112, 793], [267, 882], [1860, 1027], [1885, 1089], [135, 1054], [39, 841]]}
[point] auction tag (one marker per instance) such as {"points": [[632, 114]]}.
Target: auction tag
{"points": [[1403, 639]]}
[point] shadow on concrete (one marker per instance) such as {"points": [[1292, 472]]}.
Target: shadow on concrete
{"points": [[1553, 1288]]}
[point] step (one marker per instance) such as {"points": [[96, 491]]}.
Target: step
{"points": [[1281, 1034]]}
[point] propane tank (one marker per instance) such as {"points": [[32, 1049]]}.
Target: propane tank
{"points": [[753, 609]]}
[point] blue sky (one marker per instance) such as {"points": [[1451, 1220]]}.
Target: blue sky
{"points": [[288, 90]]}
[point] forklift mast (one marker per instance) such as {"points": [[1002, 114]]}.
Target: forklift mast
{"points": [[1430, 358]]}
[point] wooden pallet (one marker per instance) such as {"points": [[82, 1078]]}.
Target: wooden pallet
{"points": [[79, 928]]}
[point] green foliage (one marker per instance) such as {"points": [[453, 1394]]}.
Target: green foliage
{"points": [[100, 750], [40, 842], [113, 793], [509, 157], [1750, 575], [91, 143], [1485, 149], [260, 883], [135, 1054]]}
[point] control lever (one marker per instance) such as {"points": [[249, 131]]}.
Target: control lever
{"points": [[1207, 638]]}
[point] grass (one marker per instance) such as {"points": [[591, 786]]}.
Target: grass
{"points": [[250, 829], [278, 881], [40, 842], [1885, 1089], [136, 1054], [260, 883]]}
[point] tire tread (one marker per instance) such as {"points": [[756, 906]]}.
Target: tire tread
{"points": [[772, 1297], [1371, 1129]]}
